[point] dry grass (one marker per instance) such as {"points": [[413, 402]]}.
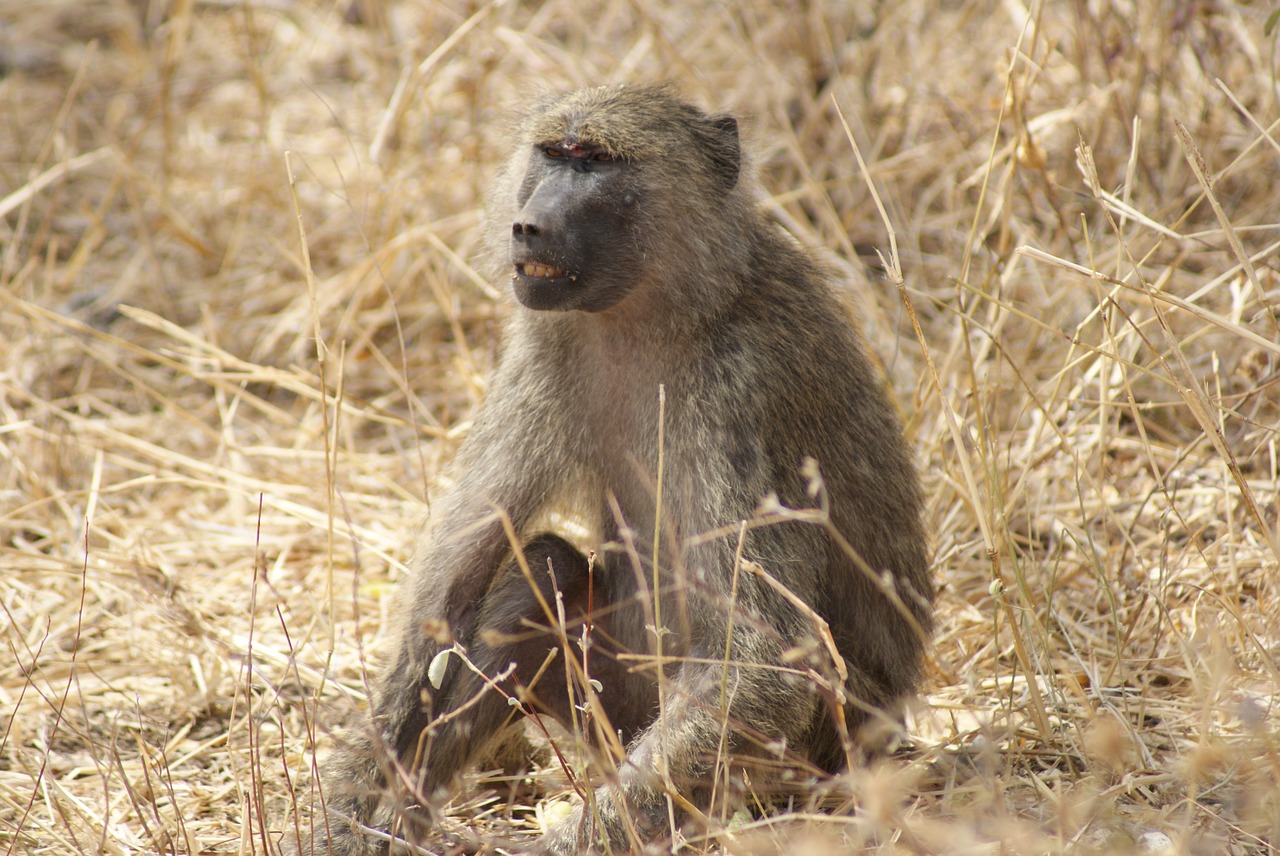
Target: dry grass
{"points": [[214, 445]]}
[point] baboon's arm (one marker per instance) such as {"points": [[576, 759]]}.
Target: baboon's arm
{"points": [[502, 478]]}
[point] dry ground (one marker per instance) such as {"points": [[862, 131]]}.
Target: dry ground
{"points": [[215, 445]]}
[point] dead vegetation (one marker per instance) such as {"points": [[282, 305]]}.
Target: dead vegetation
{"points": [[242, 332]]}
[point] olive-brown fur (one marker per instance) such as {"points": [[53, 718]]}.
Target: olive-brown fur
{"points": [[641, 261]]}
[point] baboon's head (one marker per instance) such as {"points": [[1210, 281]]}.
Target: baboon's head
{"points": [[617, 183]]}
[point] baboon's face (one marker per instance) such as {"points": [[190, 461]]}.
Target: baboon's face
{"points": [[574, 241], [622, 191]]}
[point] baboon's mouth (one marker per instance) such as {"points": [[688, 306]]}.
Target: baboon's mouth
{"points": [[538, 270]]}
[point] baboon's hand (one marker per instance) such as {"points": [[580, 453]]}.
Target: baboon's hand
{"points": [[341, 840], [342, 835], [356, 800], [607, 828]]}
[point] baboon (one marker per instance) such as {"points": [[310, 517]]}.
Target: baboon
{"points": [[677, 377]]}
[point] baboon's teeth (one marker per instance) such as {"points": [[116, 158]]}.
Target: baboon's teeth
{"points": [[536, 269]]}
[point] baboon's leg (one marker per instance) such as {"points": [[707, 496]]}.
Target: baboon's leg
{"points": [[514, 650], [517, 625], [434, 734]]}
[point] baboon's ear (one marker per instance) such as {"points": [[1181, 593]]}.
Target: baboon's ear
{"points": [[726, 154]]}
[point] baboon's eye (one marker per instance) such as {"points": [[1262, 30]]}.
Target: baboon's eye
{"points": [[602, 157], [552, 152]]}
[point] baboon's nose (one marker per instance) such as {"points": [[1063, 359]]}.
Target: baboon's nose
{"points": [[521, 229]]}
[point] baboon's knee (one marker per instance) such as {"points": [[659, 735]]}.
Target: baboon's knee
{"points": [[555, 567], [563, 559]]}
